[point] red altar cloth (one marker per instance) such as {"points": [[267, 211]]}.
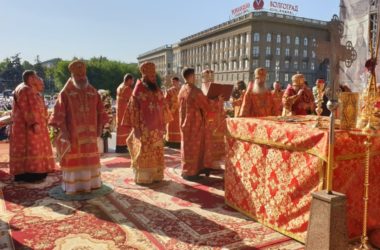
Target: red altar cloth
{"points": [[273, 166]]}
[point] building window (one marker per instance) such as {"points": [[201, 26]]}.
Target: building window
{"points": [[287, 52], [246, 64], [235, 65], [314, 42], [313, 54], [286, 77], [297, 40], [287, 64], [287, 39], [229, 66], [256, 51], [305, 41], [255, 63], [267, 63], [312, 66], [296, 52], [278, 38], [295, 65], [240, 64], [304, 53], [256, 37], [269, 37], [278, 51], [267, 51], [304, 65]]}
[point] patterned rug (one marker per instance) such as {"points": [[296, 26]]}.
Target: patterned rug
{"points": [[173, 214]]}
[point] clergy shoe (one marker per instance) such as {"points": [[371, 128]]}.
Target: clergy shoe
{"points": [[191, 177], [121, 149], [205, 171]]}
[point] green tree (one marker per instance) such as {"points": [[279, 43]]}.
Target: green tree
{"points": [[11, 72], [39, 69]]}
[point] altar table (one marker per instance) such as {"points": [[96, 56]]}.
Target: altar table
{"points": [[273, 166]]}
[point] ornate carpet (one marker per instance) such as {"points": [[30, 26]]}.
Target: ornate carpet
{"points": [[174, 214]]}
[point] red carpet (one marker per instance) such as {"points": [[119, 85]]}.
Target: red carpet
{"points": [[174, 214]]}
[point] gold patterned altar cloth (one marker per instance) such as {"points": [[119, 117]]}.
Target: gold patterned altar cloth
{"points": [[273, 165]]}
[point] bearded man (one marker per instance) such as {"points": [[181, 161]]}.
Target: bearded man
{"points": [[257, 100], [30, 152], [297, 99], [80, 117], [147, 114]]}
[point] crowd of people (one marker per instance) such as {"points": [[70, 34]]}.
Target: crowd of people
{"points": [[146, 117]]}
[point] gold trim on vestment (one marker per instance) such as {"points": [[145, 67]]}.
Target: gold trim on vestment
{"points": [[80, 168], [87, 141], [121, 135], [81, 155], [90, 128], [79, 181], [22, 158], [283, 231]]}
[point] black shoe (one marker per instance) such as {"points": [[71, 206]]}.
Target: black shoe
{"points": [[205, 171], [121, 149], [191, 177], [19, 177], [30, 177]]}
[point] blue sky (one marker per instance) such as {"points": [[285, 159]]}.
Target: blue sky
{"points": [[117, 29]]}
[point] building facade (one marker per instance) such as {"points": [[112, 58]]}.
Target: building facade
{"points": [[282, 44]]}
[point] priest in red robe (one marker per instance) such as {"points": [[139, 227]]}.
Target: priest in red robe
{"points": [[195, 112], [277, 94], [173, 135], [30, 152], [214, 129], [79, 115], [298, 99], [257, 100], [147, 114], [123, 93]]}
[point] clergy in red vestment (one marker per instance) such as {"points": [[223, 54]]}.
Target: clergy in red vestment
{"points": [[194, 112], [79, 115], [257, 100], [173, 135], [30, 152], [123, 93], [277, 94], [297, 99], [237, 97], [214, 130], [147, 114]]}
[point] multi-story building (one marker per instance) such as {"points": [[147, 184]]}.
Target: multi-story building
{"points": [[283, 44]]}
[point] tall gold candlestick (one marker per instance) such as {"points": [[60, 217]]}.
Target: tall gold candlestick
{"points": [[320, 85]]}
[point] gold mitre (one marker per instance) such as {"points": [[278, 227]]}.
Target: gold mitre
{"points": [[298, 80], [77, 67], [208, 75], [148, 68], [260, 73]]}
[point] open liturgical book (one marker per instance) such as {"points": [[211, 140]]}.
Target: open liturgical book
{"points": [[218, 89]]}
